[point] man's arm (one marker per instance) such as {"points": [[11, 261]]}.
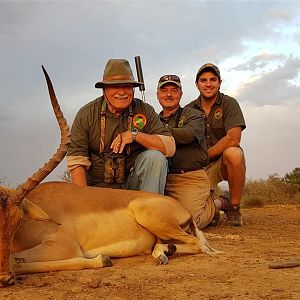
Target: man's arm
{"points": [[231, 139], [79, 176], [149, 141], [193, 128]]}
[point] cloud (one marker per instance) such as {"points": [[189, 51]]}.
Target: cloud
{"points": [[258, 62], [270, 139], [273, 87], [74, 43], [143, 40], [6, 115], [281, 14]]}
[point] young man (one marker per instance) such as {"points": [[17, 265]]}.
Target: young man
{"points": [[224, 126], [187, 181], [117, 140]]}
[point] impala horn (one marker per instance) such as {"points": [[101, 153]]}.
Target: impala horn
{"points": [[24, 189]]}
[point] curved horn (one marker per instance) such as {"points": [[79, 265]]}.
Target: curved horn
{"points": [[36, 178]]}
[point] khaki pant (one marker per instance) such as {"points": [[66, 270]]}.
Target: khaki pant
{"points": [[214, 174], [192, 190]]}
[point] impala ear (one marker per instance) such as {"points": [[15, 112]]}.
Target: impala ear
{"points": [[33, 211]]}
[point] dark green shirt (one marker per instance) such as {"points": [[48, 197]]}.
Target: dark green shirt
{"points": [[224, 115], [187, 126], [85, 135]]}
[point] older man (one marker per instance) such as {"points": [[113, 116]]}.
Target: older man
{"points": [[117, 140], [187, 180], [224, 126]]}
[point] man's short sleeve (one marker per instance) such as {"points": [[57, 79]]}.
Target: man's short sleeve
{"points": [[233, 116]]}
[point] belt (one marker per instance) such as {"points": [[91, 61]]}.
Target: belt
{"points": [[182, 171]]}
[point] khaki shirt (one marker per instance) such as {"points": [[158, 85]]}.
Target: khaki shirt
{"points": [[188, 130], [85, 135], [224, 115]]}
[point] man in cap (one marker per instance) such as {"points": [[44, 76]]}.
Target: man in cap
{"points": [[117, 140], [187, 180], [224, 126]]}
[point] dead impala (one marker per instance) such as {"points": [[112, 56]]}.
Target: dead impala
{"points": [[60, 226]]}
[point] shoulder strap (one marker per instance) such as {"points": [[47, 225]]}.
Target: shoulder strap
{"points": [[102, 126]]}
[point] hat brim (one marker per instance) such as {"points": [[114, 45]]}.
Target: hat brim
{"points": [[102, 84]]}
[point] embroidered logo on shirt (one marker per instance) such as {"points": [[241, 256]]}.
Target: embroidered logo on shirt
{"points": [[181, 122], [139, 121], [218, 113]]}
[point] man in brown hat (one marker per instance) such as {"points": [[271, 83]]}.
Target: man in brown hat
{"points": [[117, 140], [224, 126], [187, 181]]}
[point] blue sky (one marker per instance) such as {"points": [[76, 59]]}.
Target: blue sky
{"points": [[256, 44]]}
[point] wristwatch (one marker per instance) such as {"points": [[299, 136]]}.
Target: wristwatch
{"points": [[134, 132]]}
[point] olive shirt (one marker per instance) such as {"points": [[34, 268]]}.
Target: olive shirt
{"points": [[85, 135], [224, 115], [187, 126]]}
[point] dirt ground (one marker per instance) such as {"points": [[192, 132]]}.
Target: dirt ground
{"points": [[240, 272]]}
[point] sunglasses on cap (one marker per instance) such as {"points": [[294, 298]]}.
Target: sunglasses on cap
{"points": [[169, 78]]}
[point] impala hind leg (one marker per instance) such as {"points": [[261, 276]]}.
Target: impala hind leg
{"points": [[162, 219], [162, 251], [165, 225]]}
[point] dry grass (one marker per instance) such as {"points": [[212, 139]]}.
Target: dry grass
{"points": [[273, 190]]}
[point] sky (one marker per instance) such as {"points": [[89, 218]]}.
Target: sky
{"points": [[256, 45]]}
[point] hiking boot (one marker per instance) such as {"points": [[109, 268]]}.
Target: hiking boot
{"points": [[216, 219], [225, 199], [234, 217]]}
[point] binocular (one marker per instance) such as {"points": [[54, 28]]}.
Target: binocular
{"points": [[114, 169]]}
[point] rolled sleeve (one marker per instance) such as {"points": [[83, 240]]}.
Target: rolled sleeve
{"points": [[75, 161], [169, 144]]}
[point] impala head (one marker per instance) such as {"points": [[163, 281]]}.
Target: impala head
{"points": [[11, 199]]}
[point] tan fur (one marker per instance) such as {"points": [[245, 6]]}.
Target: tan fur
{"points": [[86, 222]]}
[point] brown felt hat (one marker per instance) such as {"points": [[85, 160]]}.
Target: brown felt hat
{"points": [[117, 71]]}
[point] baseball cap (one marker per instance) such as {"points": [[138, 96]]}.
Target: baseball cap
{"points": [[208, 67], [174, 79]]}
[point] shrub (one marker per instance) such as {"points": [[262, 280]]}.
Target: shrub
{"points": [[273, 190]]}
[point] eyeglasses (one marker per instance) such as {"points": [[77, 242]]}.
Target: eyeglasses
{"points": [[169, 78]]}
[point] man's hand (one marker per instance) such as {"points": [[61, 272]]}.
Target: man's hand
{"points": [[119, 143]]}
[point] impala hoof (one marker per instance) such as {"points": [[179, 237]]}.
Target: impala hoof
{"points": [[171, 250], [161, 259], [7, 279], [106, 261]]}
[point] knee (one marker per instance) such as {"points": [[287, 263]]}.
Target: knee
{"points": [[233, 156], [152, 161], [154, 157]]}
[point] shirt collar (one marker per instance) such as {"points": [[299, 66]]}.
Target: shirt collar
{"points": [[218, 101], [170, 116]]}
